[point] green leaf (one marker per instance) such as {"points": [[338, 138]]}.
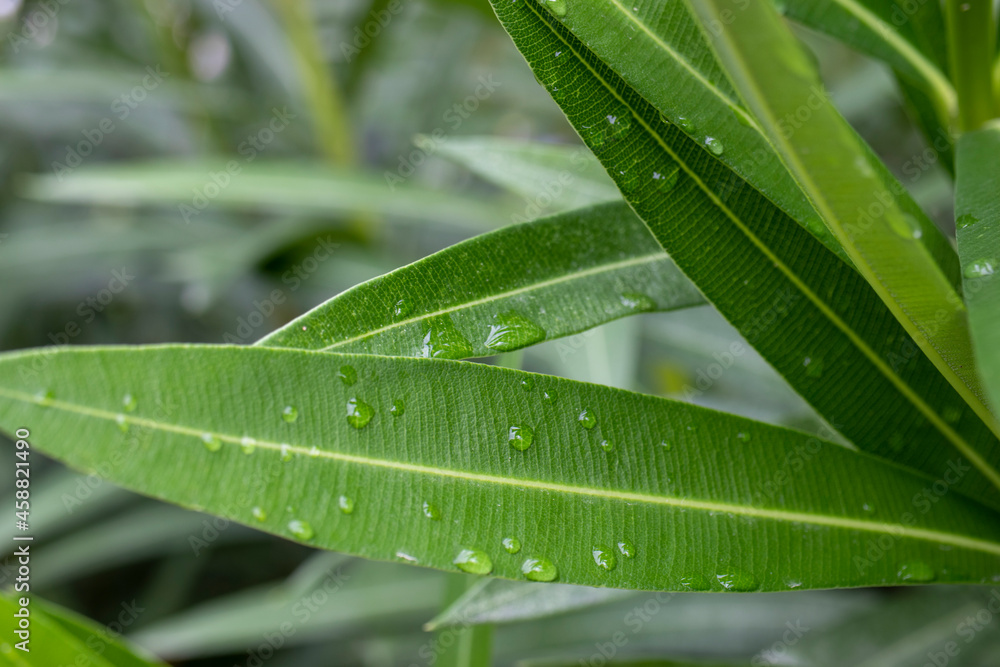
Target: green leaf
{"points": [[662, 495], [809, 315], [192, 187], [467, 646], [827, 160], [977, 209], [61, 637], [567, 176], [502, 291], [502, 601]]}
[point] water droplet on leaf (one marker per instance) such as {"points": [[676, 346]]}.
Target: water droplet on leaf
{"points": [[212, 443], [814, 367], [739, 582], [604, 558], [359, 413], [511, 331], [520, 437], [587, 419], [714, 146], [607, 445], [473, 561], [666, 180], [347, 375], [637, 301], [398, 408], [627, 549], [539, 569], [129, 403], [345, 504], [980, 268], [301, 529], [402, 308], [557, 7], [248, 444], [511, 545], [441, 340], [290, 413], [259, 514], [431, 511], [916, 571]]}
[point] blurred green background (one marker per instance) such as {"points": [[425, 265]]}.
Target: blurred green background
{"points": [[167, 167]]}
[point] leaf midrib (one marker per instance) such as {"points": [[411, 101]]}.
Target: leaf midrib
{"points": [[550, 282], [940, 424], [896, 529]]}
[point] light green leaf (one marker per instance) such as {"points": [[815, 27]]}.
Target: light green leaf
{"points": [[394, 458], [61, 637], [809, 315], [194, 187], [567, 176], [977, 208], [466, 646], [502, 291], [502, 601]]}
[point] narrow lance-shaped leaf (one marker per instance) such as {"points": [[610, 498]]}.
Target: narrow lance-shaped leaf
{"points": [[502, 291], [810, 316], [977, 207], [600, 486], [828, 162]]}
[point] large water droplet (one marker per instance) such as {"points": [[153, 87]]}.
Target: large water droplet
{"points": [[511, 545], [258, 513], [627, 549], [301, 529], [637, 301], [290, 413], [129, 403], [604, 558], [359, 413], [431, 511], [916, 571], [212, 443], [557, 7], [980, 268], [347, 375], [398, 408], [714, 146], [666, 179], [402, 308], [539, 569], [587, 419], [520, 437], [814, 367], [739, 582], [473, 561], [511, 331], [345, 504], [248, 444], [441, 340]]}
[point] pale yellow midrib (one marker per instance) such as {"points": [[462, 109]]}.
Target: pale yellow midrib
{"points": [[897, 529], [551, 282]]}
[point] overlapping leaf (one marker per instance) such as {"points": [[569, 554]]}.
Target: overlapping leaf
{"points": [[812, 317]]}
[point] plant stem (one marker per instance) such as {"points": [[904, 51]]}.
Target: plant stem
{"points": [[971, 36]]}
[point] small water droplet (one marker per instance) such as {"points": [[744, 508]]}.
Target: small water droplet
{"points": [[212, 443], [714, 146], [867, 509], [314, 452], [980, 268], [906, 226], [248, 444], [627, 549], [259, 514], [695, 582], [966, 220], [539, 569], [527, 384], [520, 437], [122, 423], [441, 340], [45, 397], [406, 558], [793, 583], [347, 375], [286, 452], [814, 367], [301, 529], [473, 561], [557, 7], [398, 408], [129, 403], [587, 419], [549, 396], [916, 571], [345, 504], [620, 122], [402, 308], [686, 124], [951, 414], [628, 180], [604, 558], [607, 445], [743, 436], [511, 545], [359, 413], [290, 413], [666, 180], [666, 445], [512, 331], [739, 582], [431, 511], [637, 301]]}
